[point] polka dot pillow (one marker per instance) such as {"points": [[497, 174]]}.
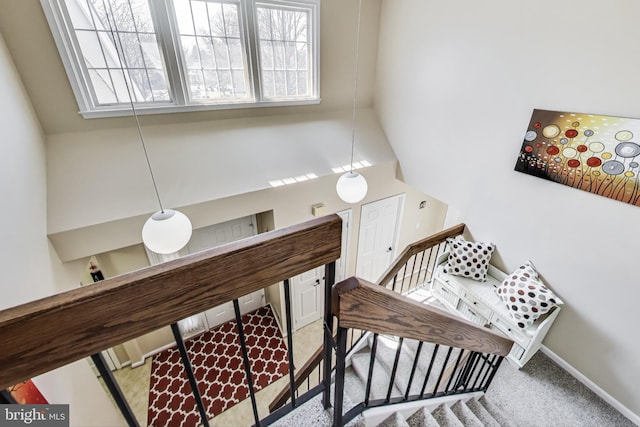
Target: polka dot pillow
{"points": [[526, 297], [468, 259]]}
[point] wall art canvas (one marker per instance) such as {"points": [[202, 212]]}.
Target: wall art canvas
{"points": [[594, 153]]}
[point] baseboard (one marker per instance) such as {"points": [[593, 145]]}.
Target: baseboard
{"points": [[633, 417]]}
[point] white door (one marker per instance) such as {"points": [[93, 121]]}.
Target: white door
{"points": [[377, 238], [307, 294]]}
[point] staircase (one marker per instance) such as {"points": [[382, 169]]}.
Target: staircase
{"points": [[472, 410]]}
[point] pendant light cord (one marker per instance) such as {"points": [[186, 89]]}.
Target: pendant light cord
{"points": [[133, 108], [355, 85]]}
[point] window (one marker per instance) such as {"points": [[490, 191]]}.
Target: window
{"points": [[187, 55]]}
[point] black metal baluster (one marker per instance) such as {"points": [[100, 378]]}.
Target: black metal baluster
{"points": [[455, 368], [341, 355], [490, 366], [462, 372], [485, 359], [287, 305], [413, 369], [420, 269], [395, 368], [372, 360], [472, 368], [329, 280], [395, 279], [426, 378], [428, 264], [192, 378], [114, 389], [404, 275], [444, 368], [247, 365], [413, 271], [493, 373]]}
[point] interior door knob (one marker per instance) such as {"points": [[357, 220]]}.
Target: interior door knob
{"points": [[390, 249]]}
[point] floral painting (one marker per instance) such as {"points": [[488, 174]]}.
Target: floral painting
{"points": [[590, 152]]}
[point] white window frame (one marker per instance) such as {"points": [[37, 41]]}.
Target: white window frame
{"points": [[166, 32]]}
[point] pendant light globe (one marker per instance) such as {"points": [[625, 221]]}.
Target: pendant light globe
{"points": [[166, 231], [352, 187]]}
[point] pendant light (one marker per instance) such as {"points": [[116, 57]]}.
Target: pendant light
{"points": [[352, 187], [166, 231]]}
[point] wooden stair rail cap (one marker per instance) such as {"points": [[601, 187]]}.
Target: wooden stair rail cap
{"points": [[362, 305], [43, 335]]}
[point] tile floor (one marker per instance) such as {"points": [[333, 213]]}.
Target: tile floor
{"points": [[134, 383]]}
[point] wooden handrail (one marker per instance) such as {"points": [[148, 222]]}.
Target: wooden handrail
{"points": [[362, 305], [416, 248], [45, 334], [300, 376]]}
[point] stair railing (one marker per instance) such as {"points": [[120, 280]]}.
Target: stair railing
{"points": [[46, 334], [472, 354], [412, 268]]}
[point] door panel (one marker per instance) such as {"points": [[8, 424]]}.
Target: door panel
{"points": [[307, 294], [378, 231]]}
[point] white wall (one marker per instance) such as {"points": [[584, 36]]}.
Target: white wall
{"points": [[30, 267], [456, 85]]}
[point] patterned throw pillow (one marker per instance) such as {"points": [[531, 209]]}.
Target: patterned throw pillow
{"points": [[526, 297], [469, 259]]}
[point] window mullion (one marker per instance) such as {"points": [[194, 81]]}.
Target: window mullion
{"points": [[252, 50], [167, 34]]}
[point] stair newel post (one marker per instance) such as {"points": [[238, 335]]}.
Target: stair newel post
{"points": [[287, 305], [192, 378], [329, 281], [341, 355]]}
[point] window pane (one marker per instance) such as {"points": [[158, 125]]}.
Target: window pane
{"points": [[91, 50], [235, 51], [267, 56], [200, 20], [183, 16], [206, 53], [231, 20], [159, 86], [268, 88], [190, 52], [283, 43], [215, 59], [240, 88], [135, 48], [216, 20], [102, 86]]}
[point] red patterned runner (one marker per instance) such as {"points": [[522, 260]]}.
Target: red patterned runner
{"points": [[217, 364]]}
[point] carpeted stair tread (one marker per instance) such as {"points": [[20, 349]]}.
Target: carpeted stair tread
{"points": [[386, 351], [422, 418], [495, 412], [426, 353], [481, 413], [394, 420], [380, 378], [465, 415], [445, 417]]}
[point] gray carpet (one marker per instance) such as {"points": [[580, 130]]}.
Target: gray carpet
{"points": [[543, 394]]}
